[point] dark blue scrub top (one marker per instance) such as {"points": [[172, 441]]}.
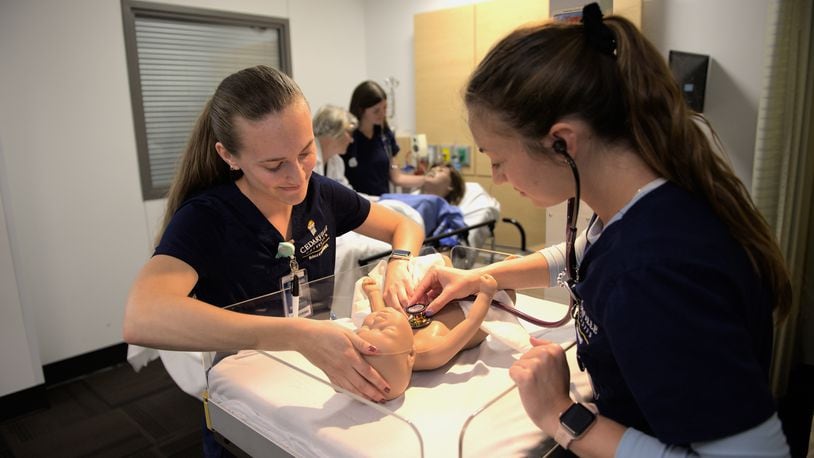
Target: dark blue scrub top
{"points": [[367, 161], [676, 326], [232, 246]]}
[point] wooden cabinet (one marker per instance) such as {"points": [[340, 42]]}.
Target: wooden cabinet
{"points": [[448, 44], [444, 58]]}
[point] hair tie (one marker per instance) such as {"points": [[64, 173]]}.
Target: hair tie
{"points": [[599, 35]]}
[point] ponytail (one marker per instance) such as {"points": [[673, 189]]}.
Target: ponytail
{"points": [[251, 94], [609, 75], [199, 167], [681, 146]]}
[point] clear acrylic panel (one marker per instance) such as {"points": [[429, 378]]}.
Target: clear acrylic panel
{"points": [[467, 408], [278, 378]]}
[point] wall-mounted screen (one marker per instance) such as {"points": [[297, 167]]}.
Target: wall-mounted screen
{"points": [[690, 70]]}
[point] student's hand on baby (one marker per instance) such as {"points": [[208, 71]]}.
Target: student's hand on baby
{"points": [[397, 285], [542, 378], [443, 284], [337, 352]]}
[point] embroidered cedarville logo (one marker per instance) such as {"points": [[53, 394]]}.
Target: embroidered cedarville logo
{"points": [[312, 227], [586, 328], [317, 245]]}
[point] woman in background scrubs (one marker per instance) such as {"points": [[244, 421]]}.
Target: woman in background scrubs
{"points": [[369, 159]]}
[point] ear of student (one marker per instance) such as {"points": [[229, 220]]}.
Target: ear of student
{"points": [[565, 133], [225, 154]]}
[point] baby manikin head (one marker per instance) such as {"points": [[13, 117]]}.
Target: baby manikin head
{"points": [[390, 332]]}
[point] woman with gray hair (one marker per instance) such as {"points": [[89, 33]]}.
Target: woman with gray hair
{"points": [[333, 132]]}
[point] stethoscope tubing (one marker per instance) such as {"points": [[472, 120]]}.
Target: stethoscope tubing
{"points": [[525, 316]]}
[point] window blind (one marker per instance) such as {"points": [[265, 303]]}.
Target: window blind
{"points": [[180, 61]]}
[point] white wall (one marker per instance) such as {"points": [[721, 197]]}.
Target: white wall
{"points": [[732, 33], [389, 49], [77, 223], [73, 199]]}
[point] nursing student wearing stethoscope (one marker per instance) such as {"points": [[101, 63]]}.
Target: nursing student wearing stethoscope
{"points": [[674, 283]]}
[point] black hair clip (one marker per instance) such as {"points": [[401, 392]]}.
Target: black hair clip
{"points": [[598, 34]]}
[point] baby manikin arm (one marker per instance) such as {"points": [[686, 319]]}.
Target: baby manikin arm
{"points": [[373, 293], [444, 348]]}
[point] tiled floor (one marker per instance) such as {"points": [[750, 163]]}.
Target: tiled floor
{"points": [[112, 413]]}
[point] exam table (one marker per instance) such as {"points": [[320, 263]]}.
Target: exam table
{"points": [[278, 404]]}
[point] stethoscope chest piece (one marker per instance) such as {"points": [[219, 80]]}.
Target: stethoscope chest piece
{"points": [[416, 317]]}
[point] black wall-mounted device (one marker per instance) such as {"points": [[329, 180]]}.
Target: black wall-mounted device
{"points": [[690, 70]]}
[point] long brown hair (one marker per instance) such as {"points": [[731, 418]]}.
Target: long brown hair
{"points": [[365, 95], [252, 94], [457, 184], [540, 74]]}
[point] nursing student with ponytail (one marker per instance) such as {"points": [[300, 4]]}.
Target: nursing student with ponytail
{"points": [[677, 280], [244, 186]]}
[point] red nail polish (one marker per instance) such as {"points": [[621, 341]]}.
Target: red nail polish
{"points": [[387, 389], [372, 348]]}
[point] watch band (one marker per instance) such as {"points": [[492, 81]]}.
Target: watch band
{"points": [[564, 436], [400, 254]]}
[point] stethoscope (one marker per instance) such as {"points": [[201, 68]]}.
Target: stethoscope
{"points": [[568, 278]]}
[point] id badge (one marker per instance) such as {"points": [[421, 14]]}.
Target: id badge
{"points": [[306, 308]]}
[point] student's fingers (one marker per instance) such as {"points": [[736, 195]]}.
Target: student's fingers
{"points": [[536, 342], [397, 299], [364, 369], [456, 284], [356, 384], [542, 378], [440, 301], [546, 360], [536, 363], [398, 288], [351, 372], [338, 353], [425, 287]]}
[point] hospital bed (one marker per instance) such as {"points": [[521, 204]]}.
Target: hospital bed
{"points": [[480, 210], [275, 403]]}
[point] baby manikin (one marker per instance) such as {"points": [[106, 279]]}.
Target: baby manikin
{"points": [[403, 349]]}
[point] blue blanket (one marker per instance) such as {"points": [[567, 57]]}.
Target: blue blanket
{"points": [[439, 216]]}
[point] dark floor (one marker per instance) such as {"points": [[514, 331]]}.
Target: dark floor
{"points": [[112, 413]]}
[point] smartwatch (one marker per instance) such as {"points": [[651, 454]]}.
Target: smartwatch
{"points": [[574, 422], [400, 254]]}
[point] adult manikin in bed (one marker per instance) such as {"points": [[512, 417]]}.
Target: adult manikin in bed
{"points": [[437, 201]]}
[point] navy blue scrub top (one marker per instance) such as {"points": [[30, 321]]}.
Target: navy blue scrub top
{"points": [[367, 161], [232, 246], [675, 327]]}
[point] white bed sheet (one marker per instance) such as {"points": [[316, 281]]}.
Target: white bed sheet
{"points": [[308, 418]]}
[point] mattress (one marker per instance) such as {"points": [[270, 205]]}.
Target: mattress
{"points": [[468, 404]]}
